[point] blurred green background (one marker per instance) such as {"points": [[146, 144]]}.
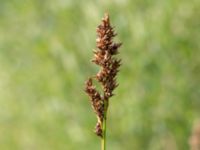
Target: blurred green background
{"points": [[45, 52]]}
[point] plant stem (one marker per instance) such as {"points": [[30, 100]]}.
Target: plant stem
{"points": [[103, 139]]}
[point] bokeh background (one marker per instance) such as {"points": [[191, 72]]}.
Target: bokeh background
{"points": [[45, 52]]}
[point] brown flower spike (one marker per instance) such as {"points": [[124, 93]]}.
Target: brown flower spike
{"points": [[104, 54]]}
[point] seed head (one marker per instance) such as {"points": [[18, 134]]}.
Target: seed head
{"points": [[104, 56]]}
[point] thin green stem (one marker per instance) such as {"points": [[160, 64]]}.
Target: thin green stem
{"points": [[103, 139]]}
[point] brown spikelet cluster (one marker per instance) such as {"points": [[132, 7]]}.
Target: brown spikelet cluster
{"points": [[104, 54]]}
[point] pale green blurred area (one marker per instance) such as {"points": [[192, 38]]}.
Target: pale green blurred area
{"points": [[45, 52]]}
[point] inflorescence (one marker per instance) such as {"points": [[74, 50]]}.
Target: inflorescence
{"points": [[104, 56]]}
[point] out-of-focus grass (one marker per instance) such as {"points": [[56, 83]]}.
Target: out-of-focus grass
{"points": [[45, 48]]}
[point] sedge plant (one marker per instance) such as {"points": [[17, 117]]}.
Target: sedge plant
{"points": [[104, 56]]}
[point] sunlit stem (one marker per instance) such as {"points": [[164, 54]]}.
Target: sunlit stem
{"points": [[103, 139]]}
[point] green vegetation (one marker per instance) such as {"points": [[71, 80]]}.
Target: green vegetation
{"points": [[45, 46]]}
